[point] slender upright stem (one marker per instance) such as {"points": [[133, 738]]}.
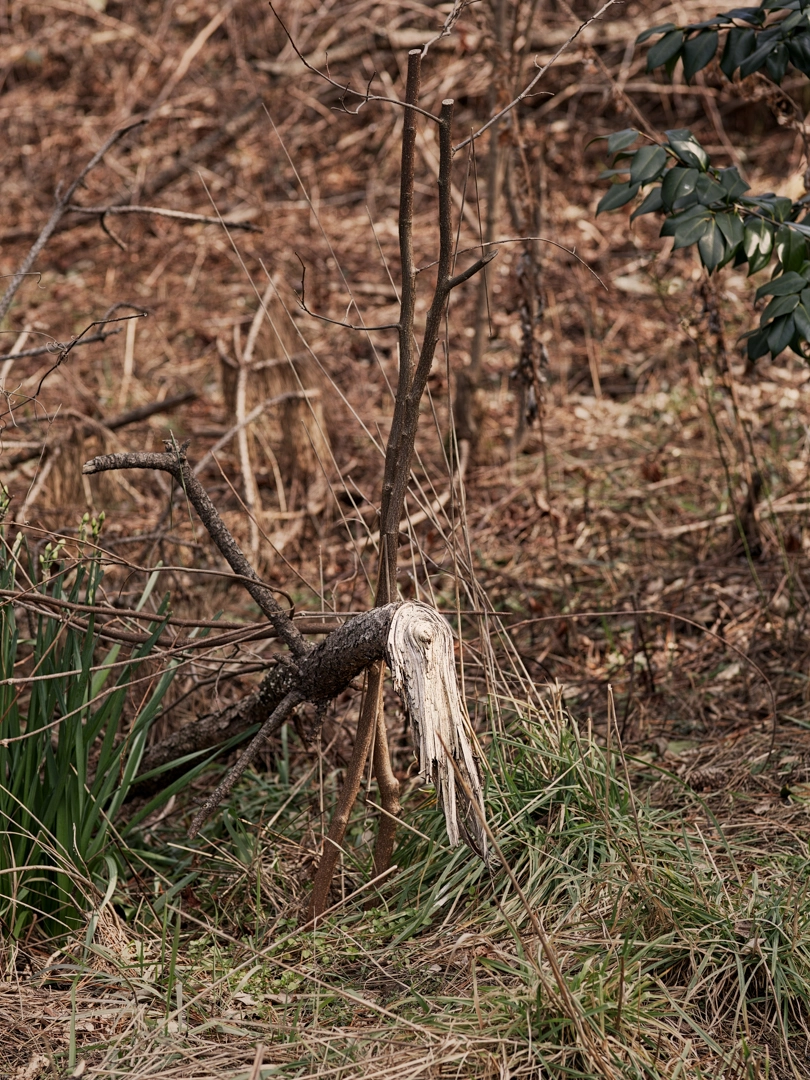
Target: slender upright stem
{"points": [[406, 181], [387, 572], [372, 707], [406, 412], [389, 795]]}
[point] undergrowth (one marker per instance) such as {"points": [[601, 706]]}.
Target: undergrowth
{"points": [[606, 937], [68, 751]]}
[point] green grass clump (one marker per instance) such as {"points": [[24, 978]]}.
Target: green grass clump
{"points": [[68, 753], [606, 937]]}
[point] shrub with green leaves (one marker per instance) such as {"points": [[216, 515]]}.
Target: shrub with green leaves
{"points": [[68, 754], [711, 207]]}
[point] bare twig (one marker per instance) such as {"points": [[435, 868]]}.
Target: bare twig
{"points": [[134, 416], [541, 72], [61, 208], [159, 211], [59, 346], [344, 88], [302, 302], [522, 240], [175, 463], [281, 713]]}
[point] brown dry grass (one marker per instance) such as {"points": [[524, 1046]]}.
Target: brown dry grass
{"points": [[628, 500]]}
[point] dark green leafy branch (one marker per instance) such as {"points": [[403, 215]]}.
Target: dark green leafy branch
{"points": [[771, 37], [711, 207]]}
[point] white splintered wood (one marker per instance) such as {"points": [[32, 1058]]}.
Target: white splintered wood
{"points": [[421, 658]]}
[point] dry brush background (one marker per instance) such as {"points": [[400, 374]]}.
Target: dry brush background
{"points": [[619, 508]]}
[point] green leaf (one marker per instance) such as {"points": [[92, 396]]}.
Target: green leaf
{"points": [[780, 305], [677, 184], [709, 190], [782, 207], [792, 21], [617, 196], [790, 247], [756, 60], [801, 317], [758, 344], [666, 49], [780, 333], [651, 205], [782, 285], [732, 182], [687, 228], [712, 246], [731, 226], [648, 164], [717, 20], [740, 43], [620, 140], [697, 52], [777, 62], [758, 244], [753, 15], [799, 52], [687, 148], [662, 29], [776, 207]]}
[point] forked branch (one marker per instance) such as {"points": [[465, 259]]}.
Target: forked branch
{"points": [[399, 455], [59, 211], [175, 463]]}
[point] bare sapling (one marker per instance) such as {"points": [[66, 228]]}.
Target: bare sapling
{"points": [[414, 640]]}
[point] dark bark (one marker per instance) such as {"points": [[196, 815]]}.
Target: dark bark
{"points": [[327, 670], [175, 463]]}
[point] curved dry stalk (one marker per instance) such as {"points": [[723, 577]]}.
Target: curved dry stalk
{"points": [[333, 841]]}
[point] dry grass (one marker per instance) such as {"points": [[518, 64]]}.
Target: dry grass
{"points": [[629, 502]]}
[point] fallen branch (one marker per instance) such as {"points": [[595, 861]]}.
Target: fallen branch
{"points": [[133, 416], [415, 640], [160, 211]]}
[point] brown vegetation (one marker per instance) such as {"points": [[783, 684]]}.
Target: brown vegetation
{"points": [[645, 527]]}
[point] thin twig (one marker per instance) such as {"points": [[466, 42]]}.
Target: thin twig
{"points": [[272, 724], [541, 72], [59, 346], [522, 240], [62, 204], [175, 463], [345, 88], [302, 302], [159, 211], [68, 349]]}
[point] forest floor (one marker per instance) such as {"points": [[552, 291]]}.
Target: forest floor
{"points": [[636, 564]]}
